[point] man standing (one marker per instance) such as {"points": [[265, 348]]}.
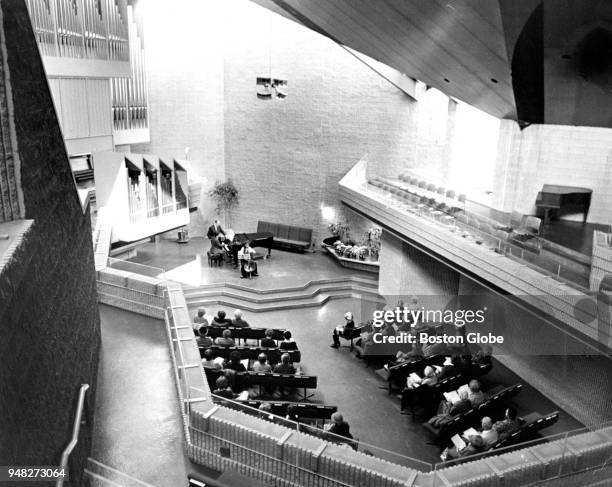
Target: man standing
{"points": [[214, 230]]}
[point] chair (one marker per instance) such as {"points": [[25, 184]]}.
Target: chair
{"points": [[214, 259], [516, 219], [533, 224]]}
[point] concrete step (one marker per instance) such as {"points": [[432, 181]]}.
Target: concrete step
{"points": [[363, 282], [284, 304], [98, 474]]}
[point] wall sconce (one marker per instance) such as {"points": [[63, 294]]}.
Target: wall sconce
{"points": [[271, 88]]}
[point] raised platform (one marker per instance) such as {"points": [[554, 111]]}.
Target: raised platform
{"points": [[311, 294]]}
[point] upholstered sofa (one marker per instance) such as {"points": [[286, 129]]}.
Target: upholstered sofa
{"points": [[287, 237]]}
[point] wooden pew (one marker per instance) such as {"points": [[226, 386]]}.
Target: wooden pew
{"points": [[474, 415], [534, 422], [297, 411], [397, 374], [245, 333], [272, 380], [273, 354]]}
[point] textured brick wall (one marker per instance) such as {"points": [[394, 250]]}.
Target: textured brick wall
{"points": [[288, 156], [49, 338]]}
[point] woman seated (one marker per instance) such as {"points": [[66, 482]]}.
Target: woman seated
{"points": [[447, 410], [288, 342], [234, 362], [248, 267]]}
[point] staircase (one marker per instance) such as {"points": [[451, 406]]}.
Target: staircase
{"points": [[97, 474], [312, 294]]}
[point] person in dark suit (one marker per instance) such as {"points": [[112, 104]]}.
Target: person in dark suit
{"points": [[268, 342], [214, 230], [339, 426], [221, 320], [343, 330]]}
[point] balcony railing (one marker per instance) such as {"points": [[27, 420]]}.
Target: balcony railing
{"points": [[90, 29]]}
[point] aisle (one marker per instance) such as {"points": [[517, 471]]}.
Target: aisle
{"points": [[138, 429]]}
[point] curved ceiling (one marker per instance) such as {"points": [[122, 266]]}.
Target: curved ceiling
{"points": [[518, 59]]}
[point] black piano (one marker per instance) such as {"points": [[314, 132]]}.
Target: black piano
{"points": [[557, 200], [257, 239]]}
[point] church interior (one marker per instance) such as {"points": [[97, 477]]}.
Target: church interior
{"points": [[281, 243]]}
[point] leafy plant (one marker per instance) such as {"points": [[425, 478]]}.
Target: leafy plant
{"points": [[225, 195], [340, 229]]}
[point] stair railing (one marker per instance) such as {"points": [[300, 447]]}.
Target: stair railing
{"points": [[75, 433]]}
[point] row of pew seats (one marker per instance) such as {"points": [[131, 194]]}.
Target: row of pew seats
{"points": [[251, 353], [268, 380], [473, 416], [245, 333], [302, 412], [534, 422], [397, 374]]}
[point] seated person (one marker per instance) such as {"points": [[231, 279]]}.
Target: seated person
{"points": [[483, 356], [200, 319], [343, 330], [489, 435], [268, 342], [223, 388], [234, 362], [339, 427], [413, 353], [247, 264], [429, 379], [285, 366], [288, 343], [221, 320], [387, 329], [226, 340], [475, 394], [261, 364], [208, 362], [475, 444], [218, 246], [410, 396], [447, 410], [452, 370], [509, 424], [203, 340], [238, 322], [431, 349]]}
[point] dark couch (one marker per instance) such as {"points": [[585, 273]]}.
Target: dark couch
{"points": [[287, 237]]}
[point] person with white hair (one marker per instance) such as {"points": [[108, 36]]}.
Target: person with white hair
{"points": [[489, 435], [238, 322], [343, 330], [200, 320], [339, 427]]}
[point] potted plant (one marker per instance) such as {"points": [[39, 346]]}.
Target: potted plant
{"points": [[225, 195], [340, 232], [372, 242]]}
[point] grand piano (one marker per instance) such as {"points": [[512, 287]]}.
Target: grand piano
{"points": [[556, 200], [256, 239]]}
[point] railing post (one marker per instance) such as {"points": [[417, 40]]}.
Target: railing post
{"points": [[53, 8]]}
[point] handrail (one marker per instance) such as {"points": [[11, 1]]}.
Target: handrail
{"points": [[75, 433]]}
